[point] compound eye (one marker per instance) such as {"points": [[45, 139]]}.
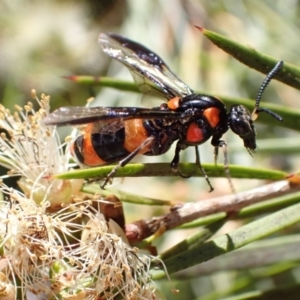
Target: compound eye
{"points": [[241, 124]]}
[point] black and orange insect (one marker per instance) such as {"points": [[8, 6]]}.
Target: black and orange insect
{"points": [[117, 134]]}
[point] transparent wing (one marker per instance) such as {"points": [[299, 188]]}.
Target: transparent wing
{"points": [[77, 115], [149, 71]]}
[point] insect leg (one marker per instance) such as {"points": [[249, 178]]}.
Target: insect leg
{"points": [[216, 154], [126, 160], [223, 145], [175, 162], [198, 163]]}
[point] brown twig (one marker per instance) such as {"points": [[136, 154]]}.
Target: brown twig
{"points": [[188, 212]]}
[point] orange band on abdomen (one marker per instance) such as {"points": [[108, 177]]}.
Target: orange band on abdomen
{"points": [[136, 134]]}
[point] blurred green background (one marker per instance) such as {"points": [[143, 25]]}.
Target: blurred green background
{"points": [[42, 41]]}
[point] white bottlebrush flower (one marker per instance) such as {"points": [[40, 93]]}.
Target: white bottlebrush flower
{"points": [[33, 151], [70, 254], [53, 243], [117, 267], [25, 240], [7, 289]]}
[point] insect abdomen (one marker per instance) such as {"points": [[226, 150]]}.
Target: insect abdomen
{"points": [[95, 148]]}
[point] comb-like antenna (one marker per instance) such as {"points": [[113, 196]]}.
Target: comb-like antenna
{"points": [[265, 83]]}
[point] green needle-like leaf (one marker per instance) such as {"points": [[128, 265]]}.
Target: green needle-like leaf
{"points": [[105, 82], [163, 169], [261, 62], [193, 241], [289, 292], [277, 254], [125, 196], [233, 240]]}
